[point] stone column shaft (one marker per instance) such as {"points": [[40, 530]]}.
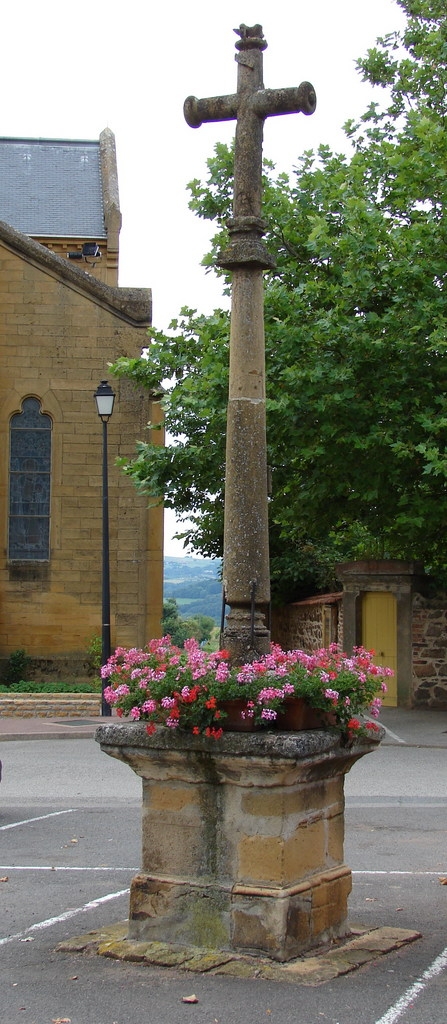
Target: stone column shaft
{"points": [[246, 541]]}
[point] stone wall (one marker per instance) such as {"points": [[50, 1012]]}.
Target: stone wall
{"points": [[54, 705], [308, 625], [59, 329], [318, 621], [429, 649]]}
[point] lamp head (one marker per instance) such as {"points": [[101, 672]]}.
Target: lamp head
{"points": [[104, 398]]}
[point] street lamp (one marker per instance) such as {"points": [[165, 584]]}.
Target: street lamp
{"points": [[105, 398]]}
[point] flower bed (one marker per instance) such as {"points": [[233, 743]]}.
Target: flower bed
{"points": [[187, 688]]}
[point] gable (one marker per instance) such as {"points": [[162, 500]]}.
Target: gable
{"points": [[131, 304]]}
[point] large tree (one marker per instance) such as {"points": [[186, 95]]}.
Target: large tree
{"points": [[356, 336]]}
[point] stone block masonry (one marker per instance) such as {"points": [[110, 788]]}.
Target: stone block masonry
{"points": [[55, 705], [429, 649], [59, 330], [242, 844]]}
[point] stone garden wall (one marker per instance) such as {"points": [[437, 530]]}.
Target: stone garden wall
{"points": [[46, 705], [308, 625], [429, 649]]}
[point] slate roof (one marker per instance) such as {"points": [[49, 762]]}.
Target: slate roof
{"points": [[52, 188]]}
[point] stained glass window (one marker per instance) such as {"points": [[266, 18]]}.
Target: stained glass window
{"points": [[29, 483]]}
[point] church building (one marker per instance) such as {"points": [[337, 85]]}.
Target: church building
{"points": [[63, 320]]}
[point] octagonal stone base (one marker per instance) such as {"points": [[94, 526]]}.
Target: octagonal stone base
{"points": [[242, 838]]}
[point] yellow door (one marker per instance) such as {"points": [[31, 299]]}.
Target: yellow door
{"points": [[379, 634]]}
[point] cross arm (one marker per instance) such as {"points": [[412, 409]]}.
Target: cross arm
{"points": [[296, 100], [216, 108]]}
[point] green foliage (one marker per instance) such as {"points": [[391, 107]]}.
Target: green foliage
{"points": [[15, 667], [45, 687], [180, 629], [94, 653], [356, 338]]}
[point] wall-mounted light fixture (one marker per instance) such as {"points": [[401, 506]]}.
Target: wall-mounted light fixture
{"points": [[89, 251]]}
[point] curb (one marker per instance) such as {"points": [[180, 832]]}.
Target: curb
{"points": [[362, 947]]}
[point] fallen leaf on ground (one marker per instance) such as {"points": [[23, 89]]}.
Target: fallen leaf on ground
{"points": [[190, 999], [29, 938], [61, 1020], [5, 878], [443, 881]]}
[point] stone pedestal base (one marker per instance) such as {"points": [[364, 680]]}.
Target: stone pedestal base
{"points": [[242, 838]]}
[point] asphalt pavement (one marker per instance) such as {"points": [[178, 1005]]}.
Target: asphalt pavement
{"points": [[421, 727], [70, 843]]}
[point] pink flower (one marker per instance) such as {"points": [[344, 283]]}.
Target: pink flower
{"points": [[222, 672], [110, 695], [122, 690], [268, 714], [149, 706]]}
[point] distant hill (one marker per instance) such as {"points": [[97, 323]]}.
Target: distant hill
{"points": [[195, 583]]}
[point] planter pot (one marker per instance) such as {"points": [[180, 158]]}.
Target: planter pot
{"points": [[234, 722], [296, 717]]}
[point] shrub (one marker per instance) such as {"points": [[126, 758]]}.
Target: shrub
{"points": [[44, 687], [16, 667]]}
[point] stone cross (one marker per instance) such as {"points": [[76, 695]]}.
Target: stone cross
{"points": [[246, 572]]}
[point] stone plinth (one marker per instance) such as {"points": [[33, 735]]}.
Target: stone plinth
{"points": [[242, 838]]}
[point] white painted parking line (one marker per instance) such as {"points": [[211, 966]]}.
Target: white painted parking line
{"points": [[41, 925], [42, 817], [393, 735], [392, 1015], [411, 873], [107, 867], [61, 867]]}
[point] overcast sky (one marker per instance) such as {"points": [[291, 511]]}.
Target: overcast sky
{"points": [[70, 70]]}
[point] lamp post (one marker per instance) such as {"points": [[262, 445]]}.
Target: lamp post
{"points": [[105, 398]]}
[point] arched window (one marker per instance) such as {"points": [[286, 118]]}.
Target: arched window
{"points": [[29, 483]]}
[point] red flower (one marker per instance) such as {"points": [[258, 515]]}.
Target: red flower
{"points": [[353, 724], [372, 726], [214, 733], [119, 712], [211, 702], [196, 730], [150, 729]]}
